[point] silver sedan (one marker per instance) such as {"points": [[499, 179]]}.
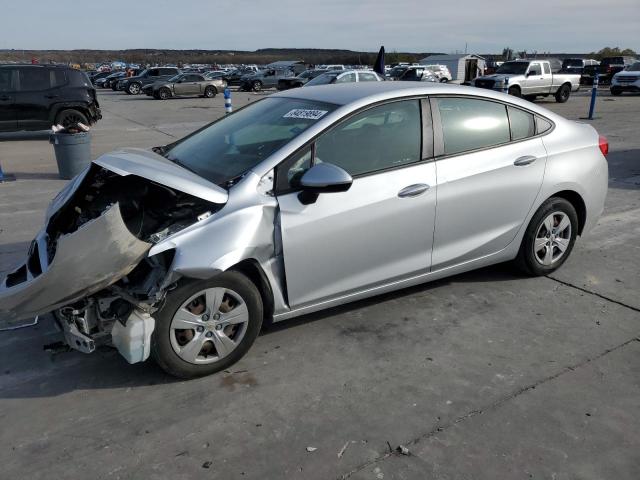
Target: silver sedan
{"points": [[302, 201]]}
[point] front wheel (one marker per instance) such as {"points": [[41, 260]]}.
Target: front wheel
{"points": [[563, 93], [615, 91], [444, 80], [549, 238], [256, 86], [164, 93], [207, 326], [68, 118], [515, 91]]}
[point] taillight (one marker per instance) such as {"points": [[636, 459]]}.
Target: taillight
{"points": [[603, 143]]}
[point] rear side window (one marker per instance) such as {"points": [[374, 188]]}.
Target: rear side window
{"points": [[57, 77], [346, 78], [470, 124], [542, 125], [379, 138], [367, 77], [547, 68], [34, 79], [522, 124], [154, 72]]}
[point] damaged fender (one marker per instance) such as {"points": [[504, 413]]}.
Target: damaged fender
{"points": [[98, 254]]}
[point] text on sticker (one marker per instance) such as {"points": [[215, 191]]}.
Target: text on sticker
{"points": [[305, 113]]}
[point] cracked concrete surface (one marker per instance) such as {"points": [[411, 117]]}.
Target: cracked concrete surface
{"points": [[483, 375]]}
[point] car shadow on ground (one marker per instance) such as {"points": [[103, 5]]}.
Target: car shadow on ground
{"points": [[22, 136], [28, 371]]}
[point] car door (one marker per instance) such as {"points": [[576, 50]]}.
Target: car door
{"points": [[381, 229], [490, 165], [536, 81], [34, 97], [8, 112]]}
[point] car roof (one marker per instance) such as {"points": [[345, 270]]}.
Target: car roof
{"points": [[363, 93]]}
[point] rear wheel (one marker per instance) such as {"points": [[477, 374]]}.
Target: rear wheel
{"points": [[549, 238], [70, 117], [133, 88], [164, 93], [444, 80], [210, 92], [515, 91], [563, 93], [207, 326]]}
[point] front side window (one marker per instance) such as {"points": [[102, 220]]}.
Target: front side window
{"points": [[6, 80], [367, 77], [234, 144], [381, 137], [534, 69], [470, 124]]}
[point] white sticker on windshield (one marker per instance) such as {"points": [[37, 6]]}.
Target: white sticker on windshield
{"points": [[306, 114]]}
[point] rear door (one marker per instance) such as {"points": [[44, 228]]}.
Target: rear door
{"points": [[8, 112], [381, 229], [490, 166], [39, 90]]}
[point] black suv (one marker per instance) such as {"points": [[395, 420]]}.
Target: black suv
{"points": [[34, 97], [133, 85]]}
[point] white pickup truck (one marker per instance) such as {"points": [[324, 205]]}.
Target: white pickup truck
{"points": [[530, 79]]}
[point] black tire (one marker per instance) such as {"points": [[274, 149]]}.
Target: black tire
{"points": [[444, 80], [615, 91], [164, 94], [161, 348], [563, 93], [530, 98], [526, 259], [256, 86], [210, 92], [114, 86], [515, 91], [134, 88], [70, 117]]}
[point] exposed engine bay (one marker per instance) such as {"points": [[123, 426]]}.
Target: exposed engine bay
{"points": [[89, 265]]}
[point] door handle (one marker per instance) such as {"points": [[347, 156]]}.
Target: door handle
{"points": [[526, 160], [413, 190]]}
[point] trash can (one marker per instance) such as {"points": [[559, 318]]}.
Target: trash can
{"points": [[73, 152]]}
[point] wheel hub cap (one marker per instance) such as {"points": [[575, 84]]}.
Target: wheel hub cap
{"points": [[209, 325], [552, 238]]}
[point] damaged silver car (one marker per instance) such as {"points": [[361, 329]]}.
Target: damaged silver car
{"points": [[304, 200]]}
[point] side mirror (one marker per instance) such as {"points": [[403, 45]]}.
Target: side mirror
{"points": [[323, 178]]}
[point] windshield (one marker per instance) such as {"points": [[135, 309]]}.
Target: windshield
{"points": [[514, 68], [229, 147], [324, 79], [634, 68]]}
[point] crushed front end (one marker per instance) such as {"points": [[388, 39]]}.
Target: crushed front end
{"points": [[90, 264]]}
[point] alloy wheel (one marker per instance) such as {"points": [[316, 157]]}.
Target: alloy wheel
{"points": [[552, 238], [209, 325]]}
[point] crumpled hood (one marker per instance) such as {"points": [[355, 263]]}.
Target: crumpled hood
{"points": [[149, 165]]}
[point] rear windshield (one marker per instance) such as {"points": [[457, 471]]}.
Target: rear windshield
{"points": [[612, 61], [324, 79], [572, 62], [235, 144], [513, 68], [634, 68]]}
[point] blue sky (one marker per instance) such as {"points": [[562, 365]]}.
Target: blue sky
{"points": [[403, 25]]}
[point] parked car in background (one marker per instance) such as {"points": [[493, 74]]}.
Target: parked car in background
{"points": [[235, 77], [609, 66], [577, 65], [185, 84], [589, 74], [133, 85], [627, 80], [121, 84], [441, 72], [347, 76], [267, 78], [331, 67], [415, 74], [97, 76], [106, 81], [530, 79], [300, 80], [299, 202], [35, 97]]}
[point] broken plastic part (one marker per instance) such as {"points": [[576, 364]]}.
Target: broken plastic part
{"points": [[133, 341]]}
